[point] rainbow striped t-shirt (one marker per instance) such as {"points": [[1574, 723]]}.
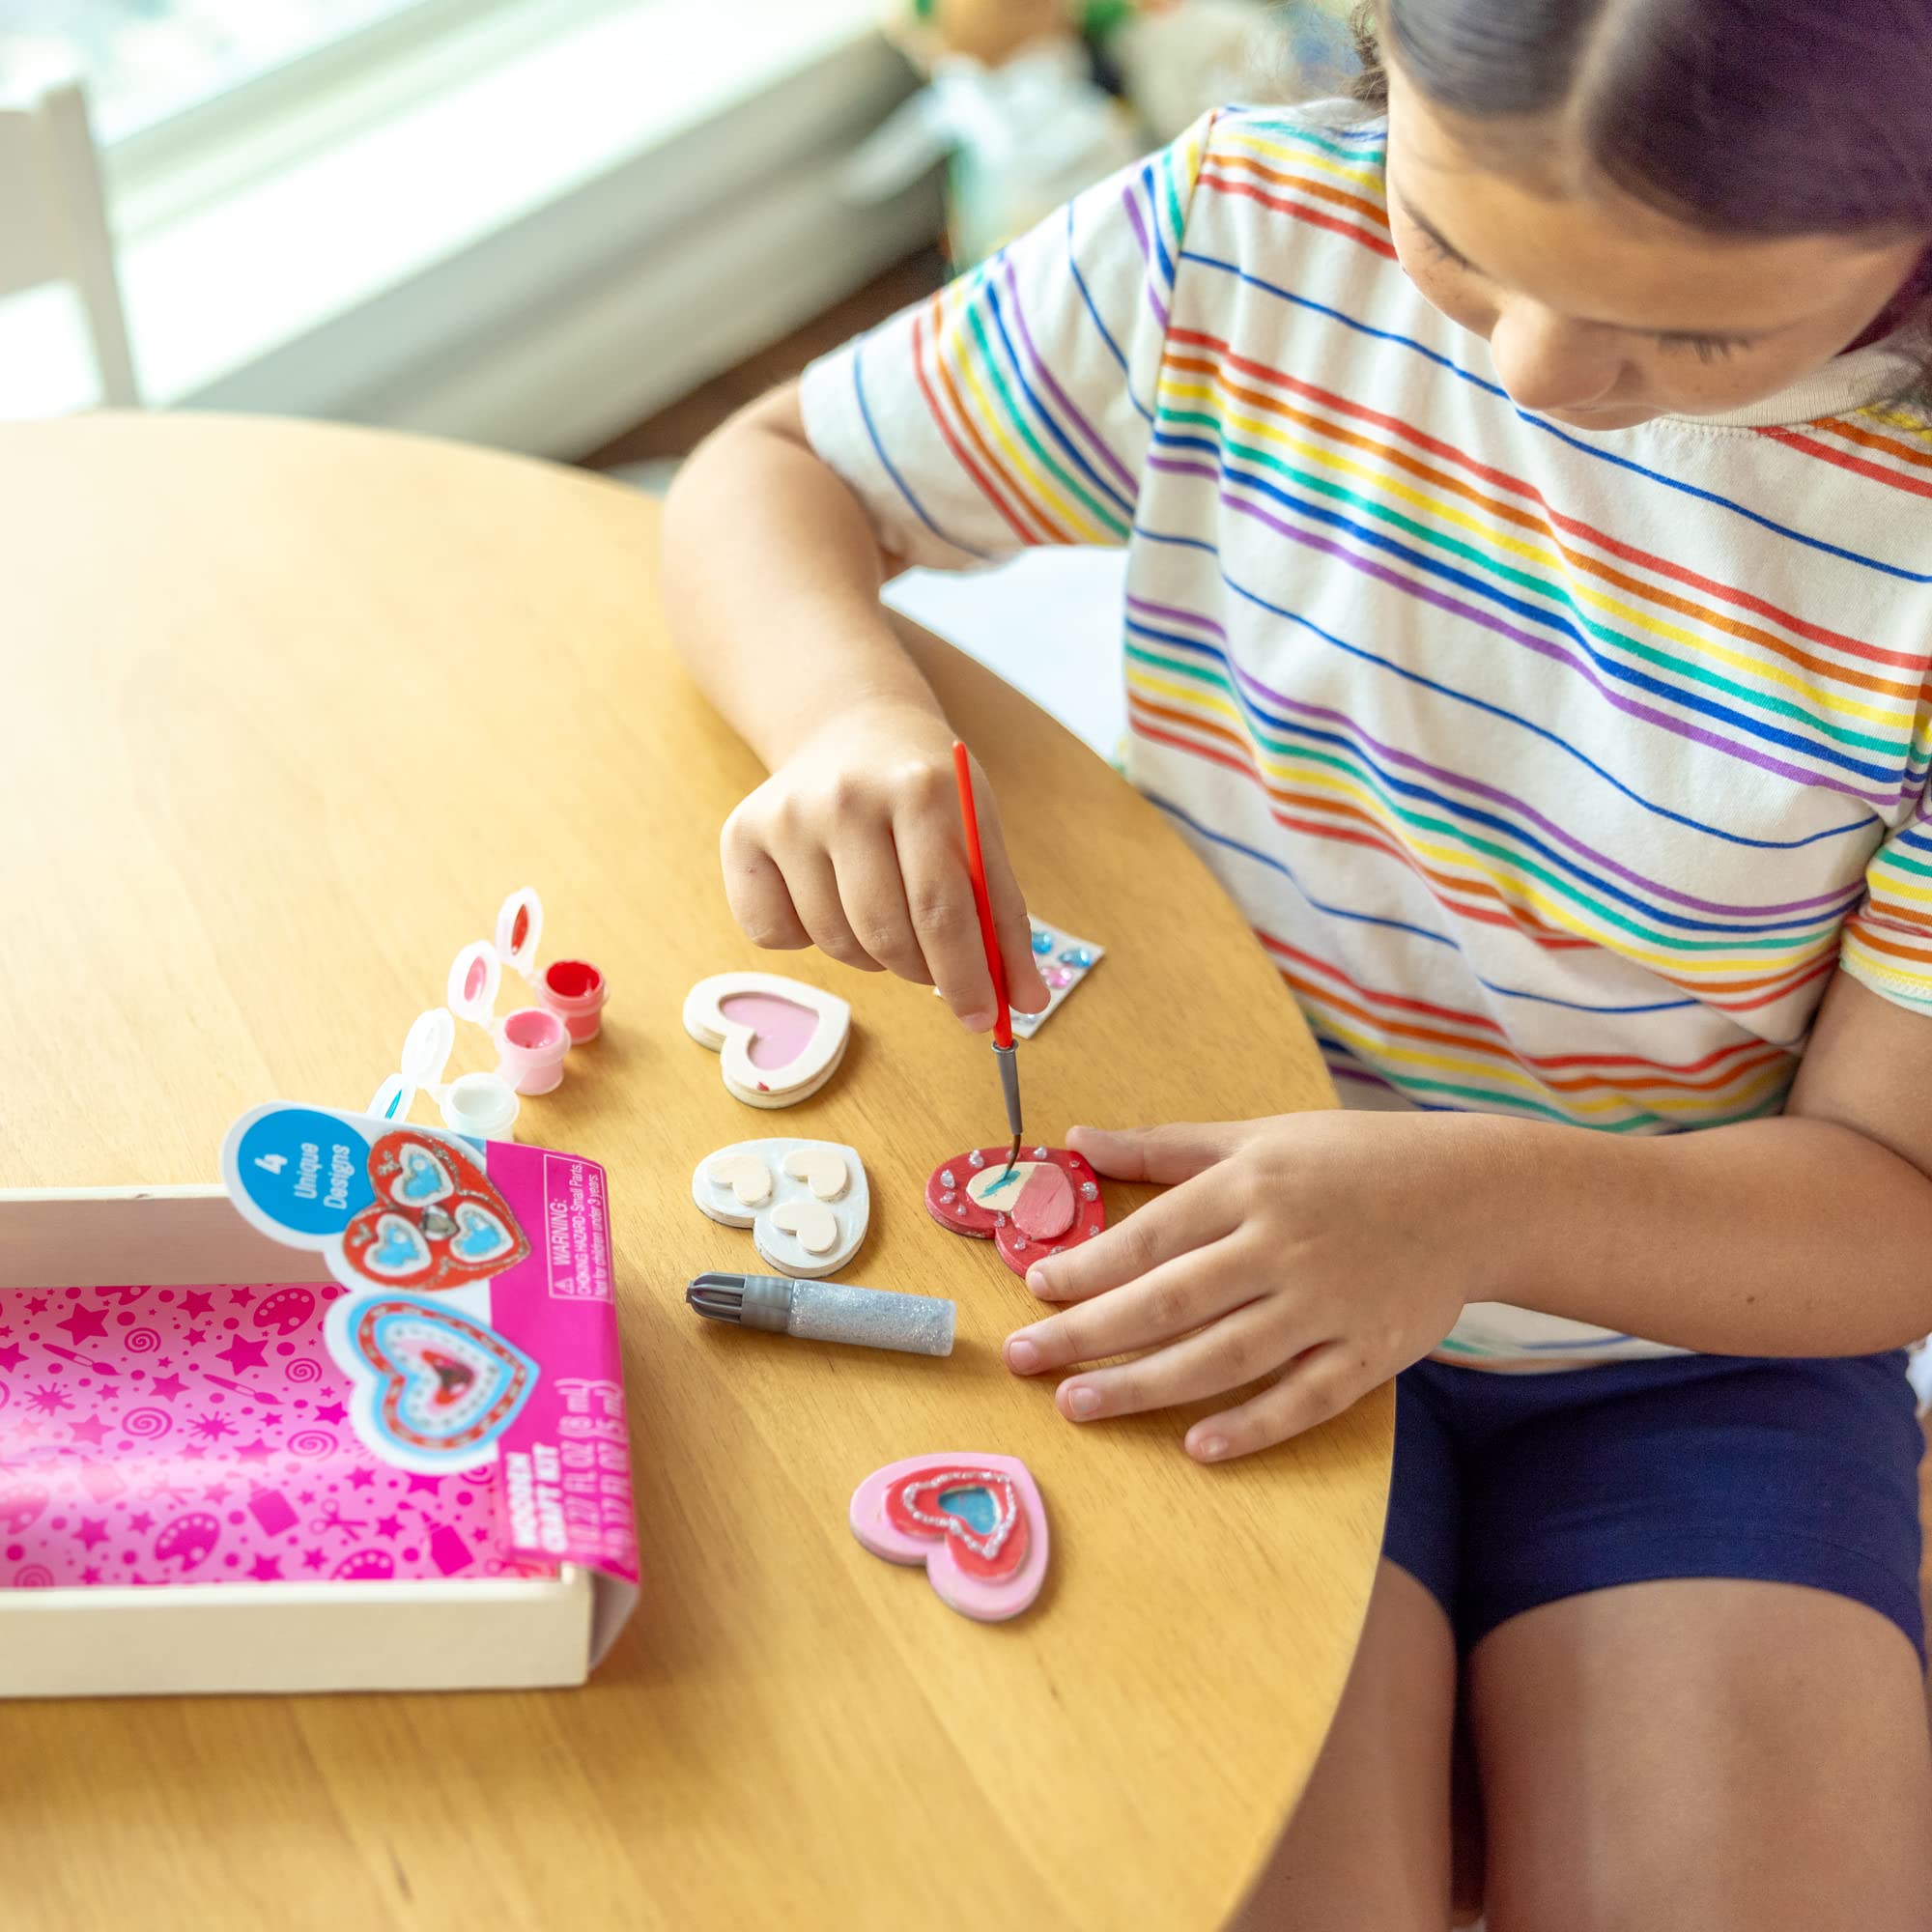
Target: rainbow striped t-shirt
{"points": [[1555, 772]]}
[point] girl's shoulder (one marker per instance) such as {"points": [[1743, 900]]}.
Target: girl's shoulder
{"points": [[1313, 132], [1284, 191]]}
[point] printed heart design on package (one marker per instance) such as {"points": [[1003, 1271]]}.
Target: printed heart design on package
{"points": [[1049, 1202], [977, 1522], [422, 1180], [807, 1203], [435, 1389], [385, 1207], [778, 1041], [437, 1221]]}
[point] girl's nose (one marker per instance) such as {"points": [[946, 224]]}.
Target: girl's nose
{"points": [[1547, 363]]}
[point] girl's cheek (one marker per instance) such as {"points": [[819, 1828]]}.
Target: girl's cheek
{"points": [[1449, 292]]}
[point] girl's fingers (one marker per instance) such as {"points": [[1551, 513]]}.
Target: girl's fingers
{"points": [[1179, 1295], [1315, 1389], [1011, 928], [1189, 1217], [873, 896], [1161, 1155], [1241, 1347], [756, 892], [938, 894], [814, 892]]}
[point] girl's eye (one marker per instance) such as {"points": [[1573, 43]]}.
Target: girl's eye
{"points": [[1706, 348], [1441, 250]]}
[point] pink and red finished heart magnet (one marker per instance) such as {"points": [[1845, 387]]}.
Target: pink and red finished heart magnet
{"points": [[1050, 1202], [977, 1522]]}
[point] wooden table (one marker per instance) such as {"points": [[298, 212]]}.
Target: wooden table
{"points": [[284, 712]]}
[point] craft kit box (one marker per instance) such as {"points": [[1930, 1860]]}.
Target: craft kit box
{"points": [[354, 1420]]}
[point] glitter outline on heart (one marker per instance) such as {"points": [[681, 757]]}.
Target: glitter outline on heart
{"points": [[984, 1601]]}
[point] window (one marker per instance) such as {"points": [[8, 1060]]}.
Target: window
{"points": [[147, 61]]}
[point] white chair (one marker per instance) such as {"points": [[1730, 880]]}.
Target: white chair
{"points": [[53, 218]]}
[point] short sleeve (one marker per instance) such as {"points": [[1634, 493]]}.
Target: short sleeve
{"points": [[1887, 944], [1015, 407]]}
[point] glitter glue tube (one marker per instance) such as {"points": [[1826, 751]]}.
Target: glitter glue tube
{"points": [[827, 1311]]}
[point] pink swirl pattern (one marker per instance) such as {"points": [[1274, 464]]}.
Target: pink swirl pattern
{"points": [[216, 1451]]}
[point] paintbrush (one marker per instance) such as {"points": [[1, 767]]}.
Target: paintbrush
{"points": [[1003, 1050]]}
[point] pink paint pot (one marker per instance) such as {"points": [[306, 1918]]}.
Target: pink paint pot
{"points": [[530, 1045], [574, 991]]}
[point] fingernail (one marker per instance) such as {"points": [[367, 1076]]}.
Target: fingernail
{"points": [[975, 1022], [1022, 1358], [1035, 1279], [1084, 1402], [1211, 1448]]}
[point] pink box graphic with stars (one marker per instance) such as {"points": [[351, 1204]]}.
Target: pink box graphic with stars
{"points": [[201, 1435], [185, 1433]]}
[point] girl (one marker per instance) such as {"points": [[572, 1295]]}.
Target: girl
{"points": [[1529, 616]]}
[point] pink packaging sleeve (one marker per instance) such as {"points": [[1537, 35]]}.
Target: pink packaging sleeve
{"points": [[192, 1434]]}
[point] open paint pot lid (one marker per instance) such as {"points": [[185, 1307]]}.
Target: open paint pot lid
{"points": [[519, 929], [474, 975], [392, 1100], [426, 1051]]}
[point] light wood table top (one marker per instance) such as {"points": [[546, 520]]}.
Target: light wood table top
{"points": [[284, 712]]}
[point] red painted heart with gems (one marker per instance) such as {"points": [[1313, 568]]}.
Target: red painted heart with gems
{"points": [[1050, 1203]]}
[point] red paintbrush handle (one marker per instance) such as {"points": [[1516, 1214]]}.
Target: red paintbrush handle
{"points": [[976, 864]]}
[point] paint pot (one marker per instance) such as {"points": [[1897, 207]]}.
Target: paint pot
{"points": [[530, 1043], [573, 989], [481, 1105], [533, 1043]]}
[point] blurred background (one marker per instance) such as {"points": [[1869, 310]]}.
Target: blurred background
{"points": [[581, 229]]}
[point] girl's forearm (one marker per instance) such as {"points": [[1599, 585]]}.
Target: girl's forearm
{"points": [[770, 561], [1789, 1236]]}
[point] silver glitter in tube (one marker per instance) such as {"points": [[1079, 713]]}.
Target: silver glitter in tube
{"points": [[828, 1310]]}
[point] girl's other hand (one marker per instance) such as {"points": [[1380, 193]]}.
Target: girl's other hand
{"points": [[854, 844], [1325, 1251]]}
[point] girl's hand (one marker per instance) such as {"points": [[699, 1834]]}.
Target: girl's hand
{"points": [[1326, 1250], [854, 845]]}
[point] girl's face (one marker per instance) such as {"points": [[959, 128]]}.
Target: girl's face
{"points": [[1599, 310]]}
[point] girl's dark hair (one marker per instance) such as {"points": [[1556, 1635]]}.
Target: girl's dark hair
{"points": [[1744, 117]]}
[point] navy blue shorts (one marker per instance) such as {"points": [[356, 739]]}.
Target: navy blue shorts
{"points": [[1512, 1491]]}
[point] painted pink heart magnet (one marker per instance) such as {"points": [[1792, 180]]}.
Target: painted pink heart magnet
{"points": [[975, 1521]]}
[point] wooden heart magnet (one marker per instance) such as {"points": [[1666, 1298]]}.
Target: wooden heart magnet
{"points": [[977, 1522], [807, 1203], [1049, 1202], [778, 1041]]}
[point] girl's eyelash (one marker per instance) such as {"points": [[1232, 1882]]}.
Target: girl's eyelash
{"points": [[1706, 348]]}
